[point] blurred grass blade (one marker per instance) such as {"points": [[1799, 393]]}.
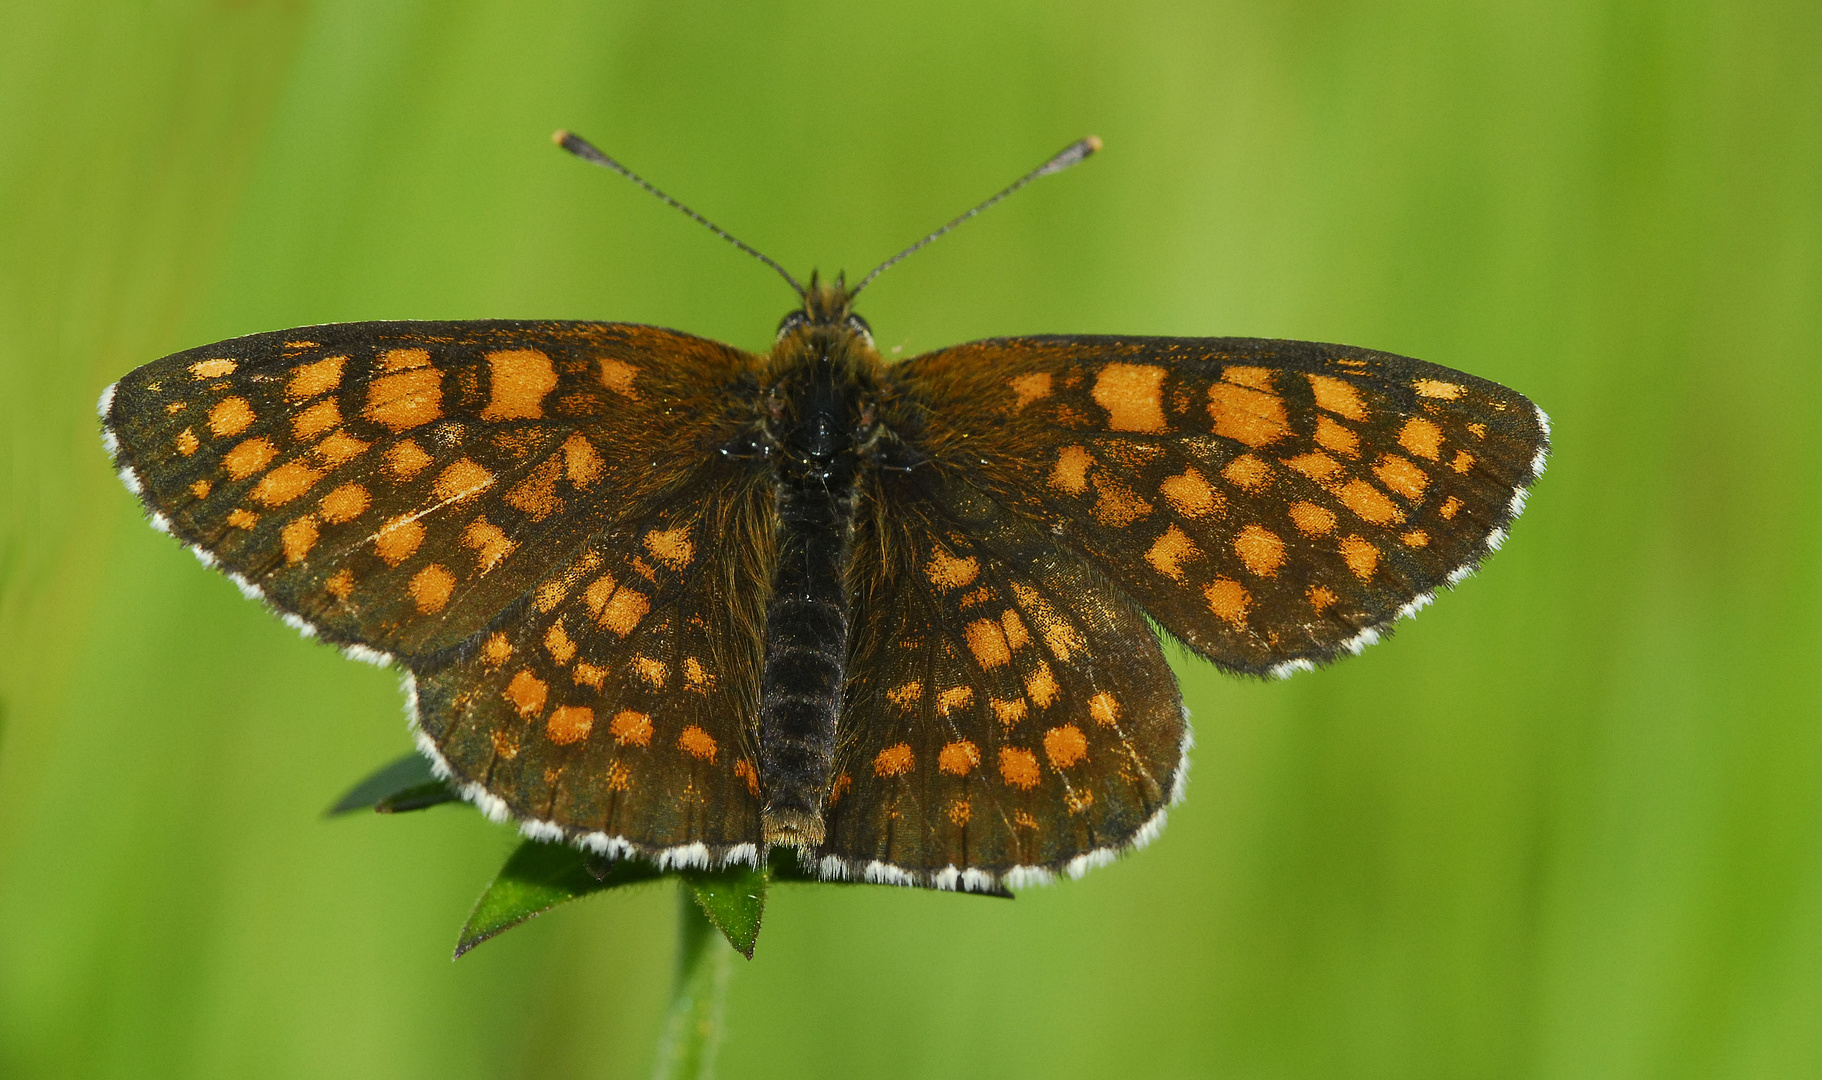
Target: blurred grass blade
{"points": [[733, 899], [694, 1026], [538, 877], [405, 784]]}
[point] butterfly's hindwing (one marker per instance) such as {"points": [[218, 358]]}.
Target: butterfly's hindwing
{"points": [[1008, 714], [1271, 503]]}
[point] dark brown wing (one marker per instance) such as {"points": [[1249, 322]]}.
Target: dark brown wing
{"points": [[1274, 504], [436, 493], [1009, 714]]}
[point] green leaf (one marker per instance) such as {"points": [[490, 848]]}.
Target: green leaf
{"points": [[539, 876], [694, 1025], [405, 784], [733, 898]]}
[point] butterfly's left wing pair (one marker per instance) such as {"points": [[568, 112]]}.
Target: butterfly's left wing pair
{"points": [[1271, 504], [533, 519]]}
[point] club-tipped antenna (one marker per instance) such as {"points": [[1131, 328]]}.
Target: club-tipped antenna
{"points": [[587, 151], [1073, 154]]}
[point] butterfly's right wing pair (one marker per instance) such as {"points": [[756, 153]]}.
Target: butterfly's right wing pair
{"points": [[1271, 504]]}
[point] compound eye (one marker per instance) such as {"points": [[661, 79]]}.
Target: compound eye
{"points": [[859, 326], [791, 322]]}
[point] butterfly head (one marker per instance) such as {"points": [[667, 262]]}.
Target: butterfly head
{"points": [[827, 313]]}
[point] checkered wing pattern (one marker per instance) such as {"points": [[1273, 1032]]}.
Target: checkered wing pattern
{"points": [[534, 518], [1273, 504], [1009, 714]]}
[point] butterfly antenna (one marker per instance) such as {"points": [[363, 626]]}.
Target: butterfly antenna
{"points": [[587, 151], [1073, 154]]}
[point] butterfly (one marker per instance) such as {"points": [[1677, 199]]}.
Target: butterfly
{"points": [[662, 598]]}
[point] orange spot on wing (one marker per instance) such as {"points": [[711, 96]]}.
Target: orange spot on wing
{"points": [[581, 461], [1104, 708], [1320, 597], [1245, 415], [338, 448], [697, 743], [1312, 520], [201, 489], [1009, 712], [1191, 496], [526, 693], [298, 537], [988, 643], [1065, 746], [536, 495], [1338, 396], [1019, 767], [490, 543], [396, 541], [1070, 474], [315, 420], [1229, 600], [624, 611], [1260, 549], [1449, 508], [241, 519], [187, 442], [1421, 437], [954, 699], [1030, 388], [745, 771], [947, 572], [1170, 551], [1335, 437], [340, 584], [1248, 473], [1362, 557], [1416, 538], [1433, 388], [631, 728], [406, 399], [1118, 505], [1369, 503], [495, 650], [230, 416], [309, 380], [249, 457], [1402, 476], [652, 671], [906, 695], [431, 587], [505, 744], [1131, 394], [671, 547], [285, 483], [557, 643], [464, 479], [958, 758], [617, 375], [520, 380], [960, 812], [345, 503], [569, 724], [212, 369], [1317, 467], [1041, 686], [585, 674], [404, 460], [1257, 378], [1463, 461], [1017, 637]]}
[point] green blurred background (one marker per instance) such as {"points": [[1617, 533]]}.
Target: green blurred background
{"points": [[1568, 823]]}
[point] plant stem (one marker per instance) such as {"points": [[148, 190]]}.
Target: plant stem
{"points": [[694, 1027]]}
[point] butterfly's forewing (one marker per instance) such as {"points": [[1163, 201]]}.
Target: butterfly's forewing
{"points": [[1271, 503], [1008, 714], [489, 502]]}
